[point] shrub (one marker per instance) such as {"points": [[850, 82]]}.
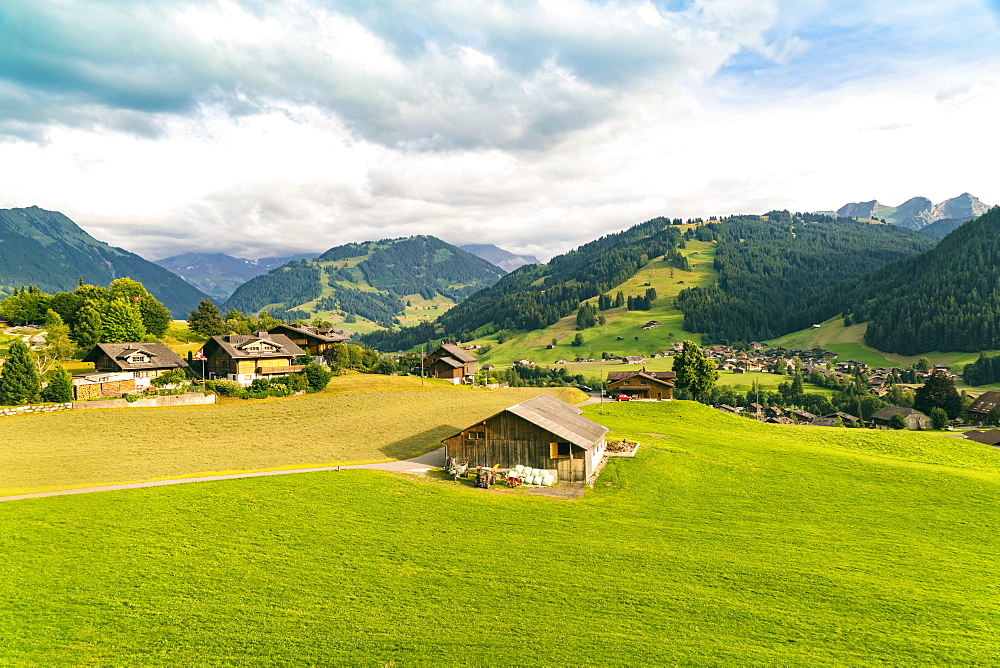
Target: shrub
{"points": [[173, 377], [224, 387], [316, 376]]}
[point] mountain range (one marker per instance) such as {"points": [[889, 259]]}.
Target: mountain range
{"points": [[48, 250], [918, 213], [499, 257], [218, 274], [375, 280]]}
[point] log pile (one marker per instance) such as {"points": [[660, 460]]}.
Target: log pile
{"points": [[621, 446]]}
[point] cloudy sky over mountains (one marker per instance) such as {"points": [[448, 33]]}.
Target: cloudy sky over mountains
{"points": [[265, 127]]}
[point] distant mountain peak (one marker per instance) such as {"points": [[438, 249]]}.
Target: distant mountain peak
{"points": [[499, 257], [917, 212]]}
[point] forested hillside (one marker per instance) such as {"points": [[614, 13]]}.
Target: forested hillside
{"points": [[370, 280], [775, 272], [536, 296], [947, 299], [48, 250]]}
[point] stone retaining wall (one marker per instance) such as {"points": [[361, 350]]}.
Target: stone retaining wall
{"points": [[26, 410], [186, 399]]}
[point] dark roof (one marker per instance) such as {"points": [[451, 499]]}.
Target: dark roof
{"points": [[886, 412], [989, 437], [325, 334], [843, 416], [985, 402], [457, 353], [234, 345], [455, 364], [160, 355], [558, 418]]}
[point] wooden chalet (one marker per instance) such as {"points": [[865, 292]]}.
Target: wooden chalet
{"points": [[244, 358], [642, 384], [543, 433], [979, 410], [139, 361], [314, 340], [451, 363], [914, 419]]}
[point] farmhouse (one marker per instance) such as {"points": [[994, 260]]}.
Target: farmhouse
{"points": [[451, 363], [642, 384], [914, 419], [244, 358], [543, 433], [988, 437], [980, 409], [315, 340], [121, 368]]}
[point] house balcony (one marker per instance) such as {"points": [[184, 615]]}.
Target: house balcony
{"points": [[275, 370]]}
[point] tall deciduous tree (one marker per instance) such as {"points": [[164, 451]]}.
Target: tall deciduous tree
{"points": [[695, 372], [938, 390], [19, 382], [122, 322], [87, 331], [155, 316], [205, 320]]}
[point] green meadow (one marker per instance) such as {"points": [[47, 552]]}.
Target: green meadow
{"points": [[724, 542], [668, 282]]}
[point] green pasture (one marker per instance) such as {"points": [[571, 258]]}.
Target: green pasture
{"points": [[358, 419], [724, 542], [667, 281]]}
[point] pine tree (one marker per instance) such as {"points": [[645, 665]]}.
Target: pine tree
{"points": [[205, 320], [619, 299], [19, 382], [938, 390], [60, 387], [122, 323]]}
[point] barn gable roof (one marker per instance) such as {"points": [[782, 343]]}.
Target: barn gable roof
{"points": [[561, 419], [457, 353], [160, 355]]}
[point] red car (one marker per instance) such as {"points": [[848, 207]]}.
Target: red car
{"points": [[623, 397]]}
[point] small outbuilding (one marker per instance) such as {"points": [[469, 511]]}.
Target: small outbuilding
{"points": [[914, 419], [544, 433]]}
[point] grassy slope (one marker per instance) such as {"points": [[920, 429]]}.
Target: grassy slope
{"points": [[359, 419], [532, 345], [725, 542]]}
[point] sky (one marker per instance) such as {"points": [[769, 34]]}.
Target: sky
{"points": [[270, 127]]}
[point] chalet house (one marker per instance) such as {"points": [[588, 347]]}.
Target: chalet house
{"points": [[141, 362], [633, 359], [642, 384], [244, 358], [980, 409], [451, 363], [915, 420], [524, 362], [543, 433], [846, 418], [314, 340], [800, 415]]}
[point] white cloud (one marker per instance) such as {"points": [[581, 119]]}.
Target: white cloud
{"points": [[282, 127]]}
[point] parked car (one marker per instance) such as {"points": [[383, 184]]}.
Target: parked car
{"points": [[623, 397], [584, 388]]}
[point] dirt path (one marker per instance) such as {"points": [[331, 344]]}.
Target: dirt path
{"points": [[418, 464]]}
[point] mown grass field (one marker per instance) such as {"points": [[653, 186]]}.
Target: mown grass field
{"points": [[358, 419], [724, 542], [667, 281]]}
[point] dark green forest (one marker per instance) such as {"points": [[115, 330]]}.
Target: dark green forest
{"points": [[421, 265], [946, 299], [775, 273], [535, 296]]}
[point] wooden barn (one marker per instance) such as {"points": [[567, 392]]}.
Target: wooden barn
{"points": [[543, 433]]}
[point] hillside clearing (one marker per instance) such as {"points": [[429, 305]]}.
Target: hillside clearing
{"points": [[725, 542], [360, 419]]}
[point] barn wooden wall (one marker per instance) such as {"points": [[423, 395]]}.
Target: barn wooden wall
{"points": [[511, 440]]}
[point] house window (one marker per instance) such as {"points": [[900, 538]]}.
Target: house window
{"points": [[478, 435]]}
